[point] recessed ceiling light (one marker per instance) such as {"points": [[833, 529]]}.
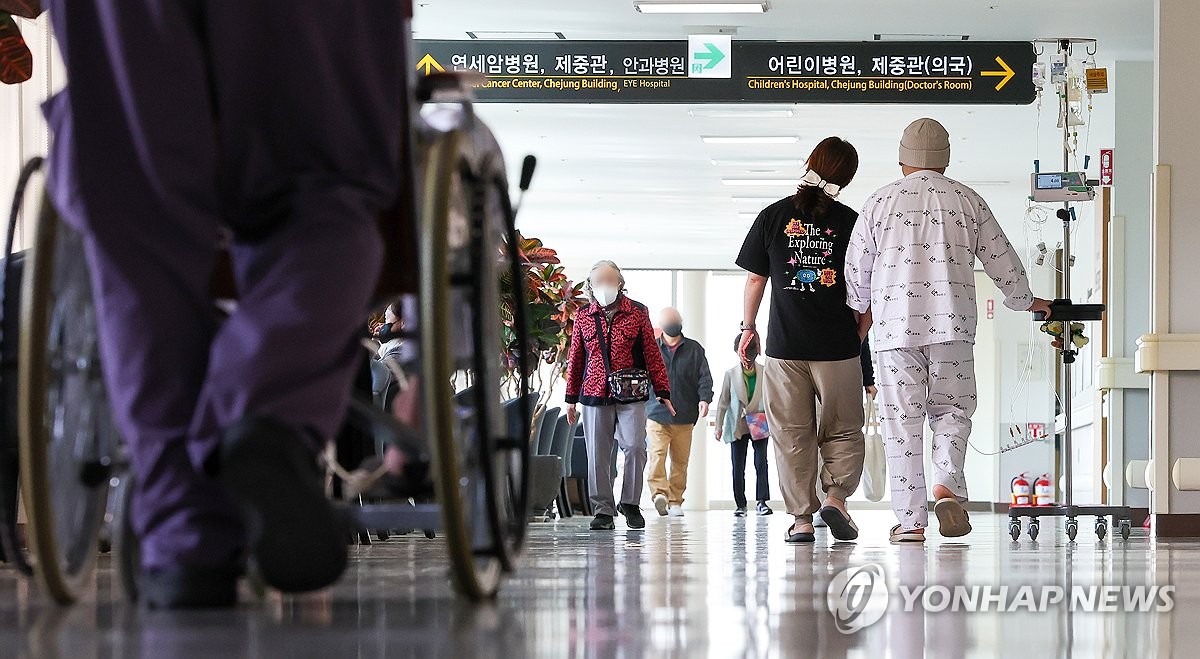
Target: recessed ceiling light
{"points": [[750, 139], [758, 182], [765, 162], [515, 36], [657, 7], [720, 113]]}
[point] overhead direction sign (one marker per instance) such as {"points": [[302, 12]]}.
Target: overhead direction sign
{"points": [[715, 69]]}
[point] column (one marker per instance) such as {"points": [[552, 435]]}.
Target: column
{"points": [[1127, 397], [691, 295], [1171, 351]]}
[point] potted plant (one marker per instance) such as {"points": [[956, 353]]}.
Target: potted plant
{"points": [[553, 300]]}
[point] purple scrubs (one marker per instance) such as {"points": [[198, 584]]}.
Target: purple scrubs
{"points": [[280, 119]]}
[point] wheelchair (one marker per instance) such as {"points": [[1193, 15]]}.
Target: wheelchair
{"points": [[455, 221]]}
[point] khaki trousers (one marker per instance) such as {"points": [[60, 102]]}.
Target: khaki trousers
{"points": [[799, 430], [669, 442]]}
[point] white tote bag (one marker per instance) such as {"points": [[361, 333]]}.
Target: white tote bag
{"points": [[874, 477]]}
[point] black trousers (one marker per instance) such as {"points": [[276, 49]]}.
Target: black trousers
{"points": [[762, 490]]}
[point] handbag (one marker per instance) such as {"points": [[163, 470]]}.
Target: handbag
{"points": [[627, 385], [874, 478], [757, 422]]}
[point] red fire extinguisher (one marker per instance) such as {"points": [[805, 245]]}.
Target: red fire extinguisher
{"points": [[1043, 491], [1022, 492]]}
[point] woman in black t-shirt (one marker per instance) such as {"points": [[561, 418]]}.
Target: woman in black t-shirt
{"points": [[814, 343]]}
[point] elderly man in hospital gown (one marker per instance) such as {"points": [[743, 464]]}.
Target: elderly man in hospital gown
{"points": [[910, 274]]}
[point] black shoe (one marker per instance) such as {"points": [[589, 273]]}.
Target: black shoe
{"points": [[764, 509], [798, 538], [603, 522], [633, 516], [840, 526], [740, 512], [295, 535], [189, 588]]}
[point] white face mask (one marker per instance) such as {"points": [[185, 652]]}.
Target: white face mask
{"points": [[605, 295]]}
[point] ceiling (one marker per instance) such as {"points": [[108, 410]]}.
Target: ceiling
{"points": [[636, 184]]}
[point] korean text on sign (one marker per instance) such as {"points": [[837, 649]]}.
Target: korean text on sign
{"points": [[655, 66], [582, 65], [498, 64], [812, 65], [922, 65]]}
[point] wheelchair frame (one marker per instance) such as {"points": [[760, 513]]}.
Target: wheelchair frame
{"points": [[479, 473]]}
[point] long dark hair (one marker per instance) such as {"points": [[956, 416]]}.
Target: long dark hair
{"points": [[836, 161]]}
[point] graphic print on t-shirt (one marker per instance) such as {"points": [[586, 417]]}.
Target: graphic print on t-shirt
{"points": [[811, 263]]}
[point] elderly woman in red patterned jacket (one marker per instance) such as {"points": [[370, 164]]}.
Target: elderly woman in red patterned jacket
{"points": [[613, 362]]}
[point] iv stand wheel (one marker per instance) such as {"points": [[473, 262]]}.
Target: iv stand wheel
{"points": [[1124, 527]]}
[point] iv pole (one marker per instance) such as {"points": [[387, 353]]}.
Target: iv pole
{"points": [[1065, 311]]}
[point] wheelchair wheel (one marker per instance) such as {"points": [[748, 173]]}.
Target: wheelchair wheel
{"points": [[475, 467], [65, 428]]}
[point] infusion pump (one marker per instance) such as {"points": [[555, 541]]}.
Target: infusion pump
{"points": [[1060, 186]]}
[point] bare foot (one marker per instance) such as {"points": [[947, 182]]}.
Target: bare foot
{"points": [[942, 492], [802, 528]]}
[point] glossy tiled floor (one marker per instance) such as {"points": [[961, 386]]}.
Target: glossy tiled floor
{"points": [[706, 585]]}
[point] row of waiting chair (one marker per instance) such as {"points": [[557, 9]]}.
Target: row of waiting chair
{"points": [[559, 458]]}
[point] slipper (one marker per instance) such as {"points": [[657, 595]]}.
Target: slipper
{"points": [[953, 521], [898, 535], [839, 523], [296, 536], [798, 538]]}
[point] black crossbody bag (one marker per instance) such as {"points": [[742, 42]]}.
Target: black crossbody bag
{"points": [[628, 385]]}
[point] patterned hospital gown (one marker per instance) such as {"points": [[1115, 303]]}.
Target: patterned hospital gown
{"points": [[912, 256]]}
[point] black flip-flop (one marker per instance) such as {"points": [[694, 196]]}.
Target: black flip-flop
{"points": [[840, 525], [798, 538]]}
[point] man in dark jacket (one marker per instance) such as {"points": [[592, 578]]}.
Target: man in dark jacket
{"points": [[670, 435]]}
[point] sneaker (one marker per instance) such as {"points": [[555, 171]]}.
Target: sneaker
{"points": [[819, 523], [603, 522], [900, 536], [675, 511], [295, 535], [763, 508], [633, 516], [740, 512], [793, 537], [660, 504]]}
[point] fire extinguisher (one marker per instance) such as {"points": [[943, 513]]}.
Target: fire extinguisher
{"points": [[1043, 491], [1022, 492]]}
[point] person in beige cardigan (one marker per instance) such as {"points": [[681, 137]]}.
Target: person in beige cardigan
{"points": [[742, 394]]}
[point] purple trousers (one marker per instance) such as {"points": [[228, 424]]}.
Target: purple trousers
{"points": [[279, 119]]}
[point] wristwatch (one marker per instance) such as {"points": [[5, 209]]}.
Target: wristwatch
{"points": [[747, 328]]}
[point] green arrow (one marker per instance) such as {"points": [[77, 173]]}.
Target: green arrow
{"points": [[714, 56]]}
